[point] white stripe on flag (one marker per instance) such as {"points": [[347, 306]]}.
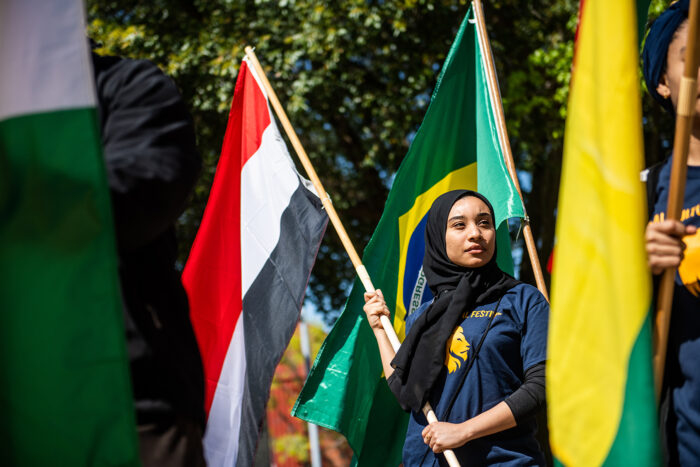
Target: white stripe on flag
{"points": [[224, 422], [268, 181], [45, 59]]}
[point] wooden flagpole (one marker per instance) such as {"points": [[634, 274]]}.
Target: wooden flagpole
{"points": [[335, 220], [679, 168], [505, 143]]}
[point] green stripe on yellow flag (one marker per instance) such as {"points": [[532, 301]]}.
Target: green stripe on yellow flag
{"points": [[600, 390], [65, 396], [456, 147]]}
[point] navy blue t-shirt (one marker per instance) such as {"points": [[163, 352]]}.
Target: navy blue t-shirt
{"points": [[516, 341], [683, 363]]}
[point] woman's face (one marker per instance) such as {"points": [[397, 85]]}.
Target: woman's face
{"points": [[669, 86], [470, 239]]}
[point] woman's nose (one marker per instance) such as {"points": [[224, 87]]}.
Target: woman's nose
{"points": [[473, 232]]}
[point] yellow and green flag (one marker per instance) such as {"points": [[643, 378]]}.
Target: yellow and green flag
{"points": [[457, 147], [600, 388]]}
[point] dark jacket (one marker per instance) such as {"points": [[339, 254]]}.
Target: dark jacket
{"points": [[152, 165]]}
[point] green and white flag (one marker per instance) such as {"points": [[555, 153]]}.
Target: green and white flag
{"points": [[458, 146], [65, 396]]}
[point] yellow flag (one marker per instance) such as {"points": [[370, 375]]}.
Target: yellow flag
{"points": [[600, 389]]}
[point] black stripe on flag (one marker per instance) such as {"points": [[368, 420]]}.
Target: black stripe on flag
{"points": [[271, 309]]}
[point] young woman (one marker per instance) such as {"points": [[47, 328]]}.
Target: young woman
{"points": [[476, 352], [676, 244]]}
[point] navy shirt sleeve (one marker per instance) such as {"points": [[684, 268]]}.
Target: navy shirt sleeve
{"points": [[533, 346]]}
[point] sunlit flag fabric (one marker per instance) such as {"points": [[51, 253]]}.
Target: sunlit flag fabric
{"points": [[65, 396], [600, 388], [248, 270], [457, 146]]}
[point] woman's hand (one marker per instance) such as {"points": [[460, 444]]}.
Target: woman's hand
{"points": [[375, 307], [443, 435], [664, 244]]}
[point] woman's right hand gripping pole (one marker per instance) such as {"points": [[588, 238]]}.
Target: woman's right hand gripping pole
{"points": [[374, 308]]}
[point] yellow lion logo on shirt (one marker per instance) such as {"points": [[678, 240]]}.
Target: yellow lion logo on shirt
{"points": [[689, 270], [456, 350]]}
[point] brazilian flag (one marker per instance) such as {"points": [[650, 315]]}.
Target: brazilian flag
{"points": [[458, 146]]}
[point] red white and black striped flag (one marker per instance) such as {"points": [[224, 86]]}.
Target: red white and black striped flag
{"points": [[248, 270]]}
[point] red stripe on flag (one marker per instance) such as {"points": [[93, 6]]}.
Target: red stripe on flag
{"points": [[212, 275]]}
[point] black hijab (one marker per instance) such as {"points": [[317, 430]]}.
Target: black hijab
{"points": [[421, 356]]}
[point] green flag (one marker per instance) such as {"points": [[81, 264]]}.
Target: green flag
{"points": [[65, 396], [456, 147]]}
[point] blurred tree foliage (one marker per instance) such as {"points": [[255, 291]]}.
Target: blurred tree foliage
{"points": [[355, 77]]}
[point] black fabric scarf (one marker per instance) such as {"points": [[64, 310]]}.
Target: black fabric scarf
{"points": [[456, 289]]}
